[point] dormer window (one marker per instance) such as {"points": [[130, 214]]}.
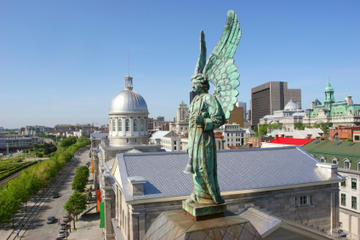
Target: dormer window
{"points": [[335, 161], [347, 163]]}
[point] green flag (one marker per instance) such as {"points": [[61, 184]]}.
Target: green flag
{"points": [[102, 215]]}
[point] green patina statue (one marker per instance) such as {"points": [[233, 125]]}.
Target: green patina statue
{"points": [[208, 112]]}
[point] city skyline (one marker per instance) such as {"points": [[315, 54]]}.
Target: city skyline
{"points": [[63, 62]]}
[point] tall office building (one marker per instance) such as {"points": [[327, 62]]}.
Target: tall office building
{"points": [[269, 97], [243, 105]]}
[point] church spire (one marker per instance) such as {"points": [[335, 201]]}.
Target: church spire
{"points": [[329, 93]]}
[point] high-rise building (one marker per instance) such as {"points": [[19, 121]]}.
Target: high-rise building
{"points": [[269, 97], [243, 105]]}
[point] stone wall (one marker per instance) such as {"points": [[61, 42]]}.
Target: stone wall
{"points": [[281, 203]]}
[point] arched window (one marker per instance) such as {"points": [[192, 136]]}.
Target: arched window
{"points": [[347, 163], [322, 159], [127, 125], [113, 125], [119, 125], [334, 160], [135, 124]]}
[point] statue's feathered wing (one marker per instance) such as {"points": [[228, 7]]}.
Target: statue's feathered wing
{"points": [[220, 68]]}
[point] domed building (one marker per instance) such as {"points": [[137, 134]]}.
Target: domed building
{"points": [[128, 118], [287, 117], [128, 127]]}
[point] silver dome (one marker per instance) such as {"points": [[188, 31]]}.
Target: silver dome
{"points": [[291, 106], [128, 101]]}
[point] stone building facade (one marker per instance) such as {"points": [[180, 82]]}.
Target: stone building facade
{"points": [[344, 113], [347, 156], [137, 189]]}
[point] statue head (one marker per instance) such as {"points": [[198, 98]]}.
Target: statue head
{"points": [[200, 84]]}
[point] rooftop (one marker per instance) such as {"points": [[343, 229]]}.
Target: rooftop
{"points": [[238, 170]]}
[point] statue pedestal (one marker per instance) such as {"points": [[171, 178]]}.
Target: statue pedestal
{"points": [[179, 225], [202, 211]]}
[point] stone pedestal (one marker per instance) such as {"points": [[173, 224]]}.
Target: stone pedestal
{"points": [[179, 225], [201, 212]]}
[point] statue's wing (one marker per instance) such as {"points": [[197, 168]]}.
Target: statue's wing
{"points": [[202, 57], [220, 68]]}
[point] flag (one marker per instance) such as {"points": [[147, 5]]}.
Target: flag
{"points": [[102, 215]]}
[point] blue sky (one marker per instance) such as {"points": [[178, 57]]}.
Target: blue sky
{"points": [[63, 61]]}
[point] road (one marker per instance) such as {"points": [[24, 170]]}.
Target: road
{"points": [[35, 227]]}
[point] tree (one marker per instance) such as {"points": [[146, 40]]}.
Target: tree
{"points": [[299, 126], [68, 141], [80, 179], [75, 205]]}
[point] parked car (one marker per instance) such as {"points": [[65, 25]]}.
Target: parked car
{"points": [[63, 233], [50, 220], [56, 195]]}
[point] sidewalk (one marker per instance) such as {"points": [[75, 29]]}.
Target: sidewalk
{"points": [[88, 226]]}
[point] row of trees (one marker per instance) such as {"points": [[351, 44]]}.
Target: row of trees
{"points": [[34, 178], [77, 201]]}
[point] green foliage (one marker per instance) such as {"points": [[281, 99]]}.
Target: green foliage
{"points": [[263, 129], [299, 126], [68, 141], [6, 173], [349, 139], [34, 178], [323, 126], [80, 179], [75, 205]]}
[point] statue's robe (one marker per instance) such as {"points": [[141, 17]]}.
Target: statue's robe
{"points": [[202, 148]]}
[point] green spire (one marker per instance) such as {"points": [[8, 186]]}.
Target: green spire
{"points": [[329, 93], [329, 88]]}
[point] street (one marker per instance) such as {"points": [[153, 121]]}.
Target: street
{"points": [[55, 207], [35, 212]]}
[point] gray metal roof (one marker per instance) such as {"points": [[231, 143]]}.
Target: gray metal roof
{"points": [[99, 135], [243, 169], [128, 101]]}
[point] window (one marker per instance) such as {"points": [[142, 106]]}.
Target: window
{"points": [[135, 124], [127, 125], [353, 202], [354, 183], [358, 165], [322, 159], [110, 124], [113, 125], [335, 161], [343, 183], [119, 125], [303, 201], [357, 137], [347, 163], [343, 199]]}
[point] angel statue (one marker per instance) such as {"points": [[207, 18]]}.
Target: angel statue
{"points": [[208, 112]]}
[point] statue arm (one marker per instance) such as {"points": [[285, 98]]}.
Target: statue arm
{"points": [[216, 116]]}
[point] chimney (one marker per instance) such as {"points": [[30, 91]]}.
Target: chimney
{"points": [[137, 185], [328, 168]]}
